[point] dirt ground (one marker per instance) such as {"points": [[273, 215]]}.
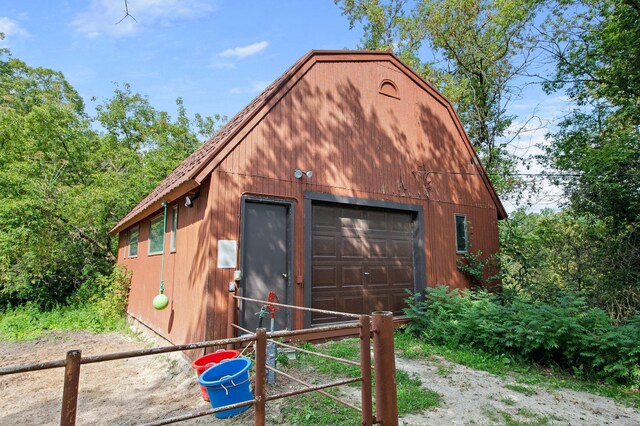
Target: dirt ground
{"points": [[144, 389]]}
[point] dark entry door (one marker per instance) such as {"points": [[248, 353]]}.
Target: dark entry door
{"points": [[265, 260]]}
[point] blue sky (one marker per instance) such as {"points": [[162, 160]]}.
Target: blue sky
{"points": [[215, 54]]}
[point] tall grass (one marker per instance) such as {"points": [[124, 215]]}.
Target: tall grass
{"points": [[569, 334], [98, 307]]}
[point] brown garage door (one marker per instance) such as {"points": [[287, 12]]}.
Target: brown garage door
{"points": [[362, 260]]}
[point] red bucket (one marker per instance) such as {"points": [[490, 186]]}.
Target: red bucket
{"points": [[203, 363]]}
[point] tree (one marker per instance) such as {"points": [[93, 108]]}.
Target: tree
{"points": [[64, 184], [597, 52], [483, 46], [597, 56]]}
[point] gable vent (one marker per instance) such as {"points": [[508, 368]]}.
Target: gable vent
{"points": [[389, 88]]}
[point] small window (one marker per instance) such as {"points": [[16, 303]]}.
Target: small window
{"points": [[133, 241], [461, 234], [156, 235], [174, 227]]}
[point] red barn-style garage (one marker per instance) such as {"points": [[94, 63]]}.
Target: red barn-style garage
{"points": [[348, 181]]}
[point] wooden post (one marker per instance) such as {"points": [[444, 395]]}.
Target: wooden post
{"points": [[365, 370], [261, 375], [384, 364], [70, 390]]}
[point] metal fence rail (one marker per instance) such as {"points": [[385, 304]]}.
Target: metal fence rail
{"points": [[379, 326]]}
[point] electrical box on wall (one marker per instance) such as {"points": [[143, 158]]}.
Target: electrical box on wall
{"points": [[227, 254]]}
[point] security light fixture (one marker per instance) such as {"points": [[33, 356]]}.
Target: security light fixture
{"points": [[297, 173], [190, 198]]}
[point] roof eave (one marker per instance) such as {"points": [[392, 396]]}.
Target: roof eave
{"points": [[169, 197]]}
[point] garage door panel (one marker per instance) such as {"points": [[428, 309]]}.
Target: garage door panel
{"points": [[324, 277], [401, 249], [352, 276], [325, 217], [377, 221], [377, 248], [352, 247], [328, 303], [378, 276], [352, 304], [401, 276], [324, 246], [380, 302]]}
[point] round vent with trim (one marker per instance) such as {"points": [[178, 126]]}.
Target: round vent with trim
{"points": [[389, 88]]}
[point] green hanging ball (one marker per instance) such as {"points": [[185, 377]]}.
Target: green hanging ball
{"points": [[160, 302]]}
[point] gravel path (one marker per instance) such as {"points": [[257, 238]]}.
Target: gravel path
{"points": [[143, 389]]}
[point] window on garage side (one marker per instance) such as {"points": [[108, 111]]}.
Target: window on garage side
{"points": [[133, 241], [156, 235], [462, 240], [174, 227]]}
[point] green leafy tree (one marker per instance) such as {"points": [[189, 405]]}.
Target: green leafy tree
{"points": [[480, 48], [597, 56], [64, 185], [597, 52]]}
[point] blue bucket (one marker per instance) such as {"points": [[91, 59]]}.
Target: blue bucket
{"points": [[228, 383]]}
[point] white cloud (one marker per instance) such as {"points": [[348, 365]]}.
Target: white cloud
{"points": [[253, 87], [217, 65], [244, 51], [11, 28], [101, 16]]}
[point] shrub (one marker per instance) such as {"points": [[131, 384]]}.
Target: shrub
{"points": [[567, 334], [112, 293]]}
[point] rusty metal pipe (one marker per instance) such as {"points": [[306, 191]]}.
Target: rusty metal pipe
{"points": [[121, 355], [318, 354], [259, 417], [365, 371], [70, 390], [308, 385], [290, 333], [200, 413], [301, 308], [312, 389], [385, 368]]}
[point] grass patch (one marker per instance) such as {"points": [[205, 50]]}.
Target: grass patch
{"points": [[412, 397], [520, 389], [507, 400], [314, 409], [28, 322], [532, 420], [524, 373]]}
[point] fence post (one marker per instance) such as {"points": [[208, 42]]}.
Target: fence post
{"points": [[70, 390], [365, 370], [261, 360], [384, 364]]}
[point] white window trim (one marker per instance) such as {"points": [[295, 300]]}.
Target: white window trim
{"points": [[466, 233], [128, 246], [164, 231], [174, 229]]}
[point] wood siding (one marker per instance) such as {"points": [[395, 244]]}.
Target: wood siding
{"points": [[185, 274]]}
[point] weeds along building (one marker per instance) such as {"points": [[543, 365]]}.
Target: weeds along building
{"points": [[347, 182]]}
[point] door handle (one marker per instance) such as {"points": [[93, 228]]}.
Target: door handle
{"points": [[366, 274], [285, 276]]}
